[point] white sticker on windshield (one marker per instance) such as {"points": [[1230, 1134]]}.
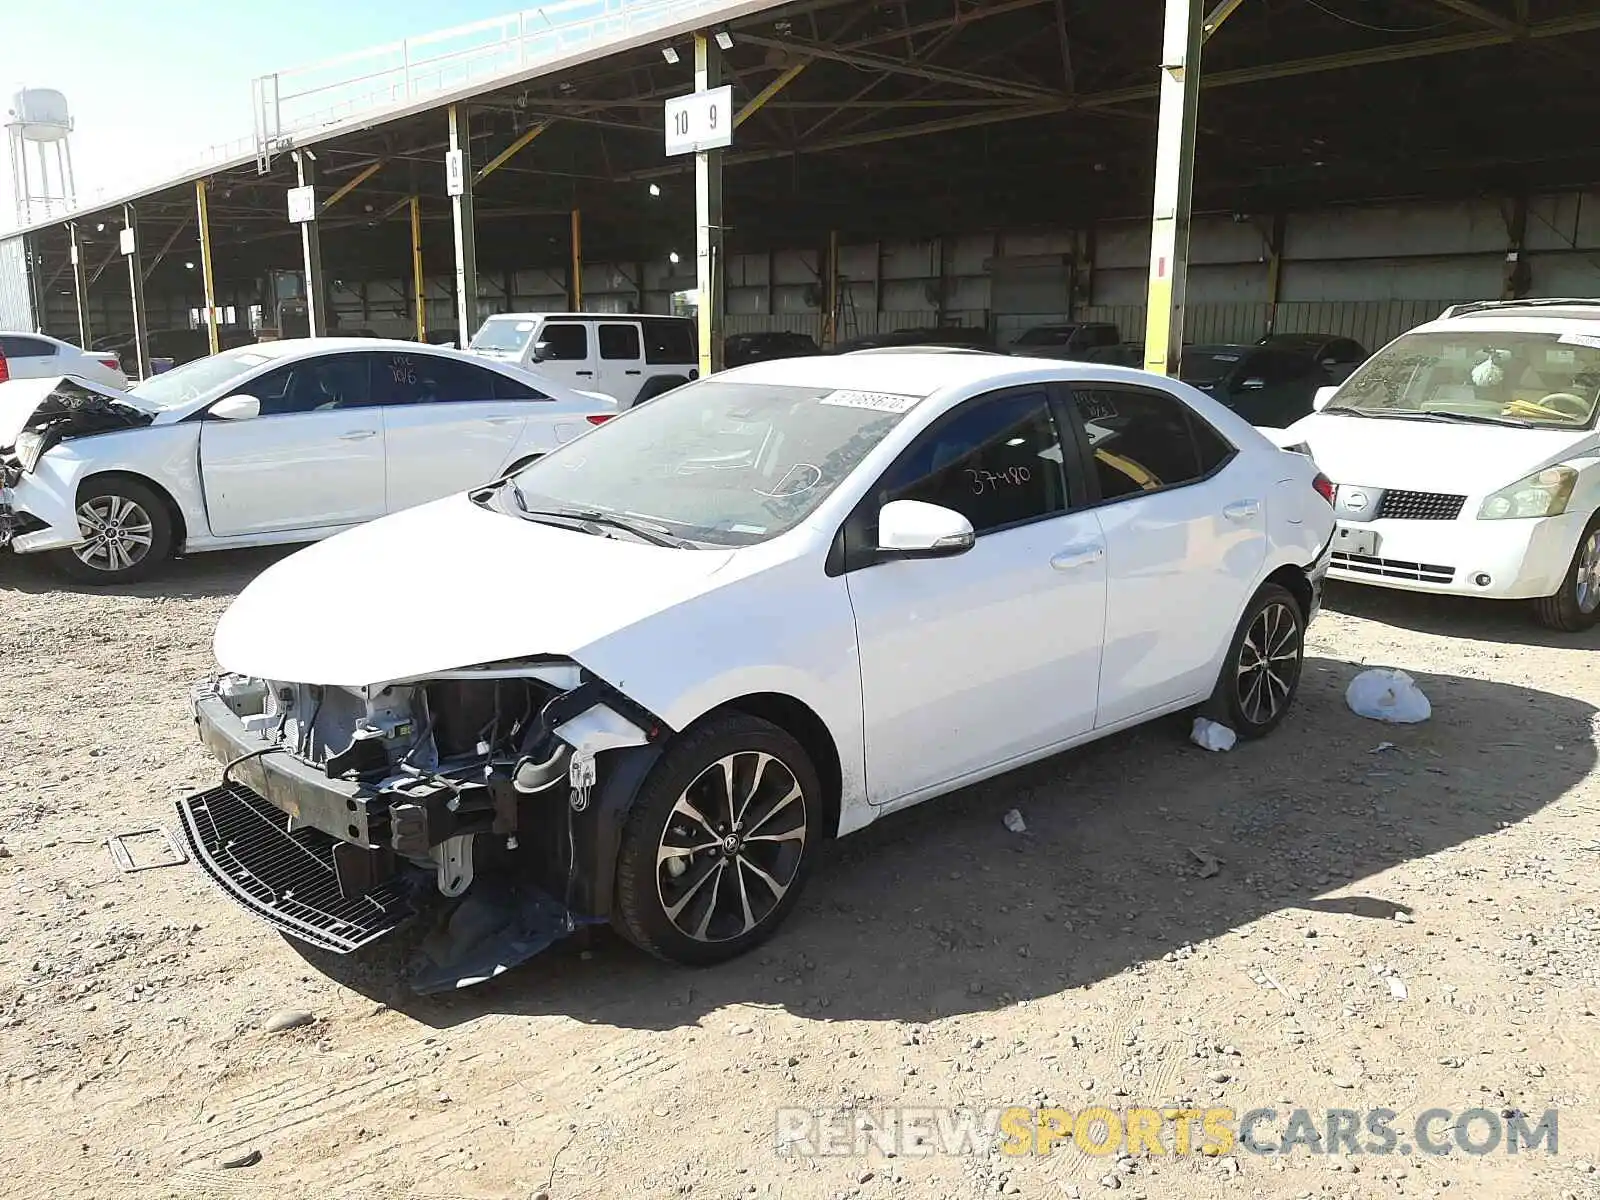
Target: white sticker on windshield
{"points": [[1226, 357], [888, 402], [1591, 340], [524, 326]]}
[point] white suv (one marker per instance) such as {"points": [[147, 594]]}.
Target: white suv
{"points": [[629, 357], [1467, 459]]}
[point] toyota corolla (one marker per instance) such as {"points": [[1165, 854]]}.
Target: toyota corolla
{"points": [[647, 678]]}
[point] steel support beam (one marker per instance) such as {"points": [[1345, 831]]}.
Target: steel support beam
{"points": [[708, 239], [754, 105], [1215, 18], [1482, 15], [80, 285], [351, 185], [208, 273], [466, 233], [575, 288], [1169, 231], [141, 322], [311, 252], [1280, 229], [506, 155], [1518, 274], [419, 294], [165, 246], [894, 66]]}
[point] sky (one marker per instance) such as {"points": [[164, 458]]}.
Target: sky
{"points": [[161, 80]]}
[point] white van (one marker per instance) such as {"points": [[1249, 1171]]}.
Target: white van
{"points": [[627, 356]]}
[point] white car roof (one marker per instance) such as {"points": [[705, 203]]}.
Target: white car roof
{"points": [[1554, 318], [922, 373], [581, 316]]}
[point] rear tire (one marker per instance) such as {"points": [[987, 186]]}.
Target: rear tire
{"points": [[1576, 607], [719, 842], [129, 530], [1261, 673]]}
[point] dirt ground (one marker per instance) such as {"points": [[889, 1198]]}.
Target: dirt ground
{"points": [[1405, 927]]}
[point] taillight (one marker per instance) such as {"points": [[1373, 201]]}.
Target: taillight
{"points": [[110, 360], [5, 371], [599, 418], [1324, 487]]}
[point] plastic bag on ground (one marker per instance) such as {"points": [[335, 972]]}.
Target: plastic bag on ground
{"points": [[1385, 695], [1208, 735]]}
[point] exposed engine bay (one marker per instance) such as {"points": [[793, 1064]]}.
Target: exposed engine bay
{"points": [[345, 811]]}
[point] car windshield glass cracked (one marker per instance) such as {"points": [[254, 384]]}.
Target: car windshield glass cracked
{"points": [[725, 464], [1548, 380]]}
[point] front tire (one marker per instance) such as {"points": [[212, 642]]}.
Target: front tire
{"points": [[719, 842], [1261, 673], [1576, 607], [128, 532]]}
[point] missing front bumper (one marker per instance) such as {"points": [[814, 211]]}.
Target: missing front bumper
{"points": [[302, 881]]}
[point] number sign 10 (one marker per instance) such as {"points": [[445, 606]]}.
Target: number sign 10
{"points": [[702, 121]]}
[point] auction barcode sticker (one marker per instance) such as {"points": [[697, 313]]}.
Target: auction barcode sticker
{"points": [[888, 402], [1580, 339]]}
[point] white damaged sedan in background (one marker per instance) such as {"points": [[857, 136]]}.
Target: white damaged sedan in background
{"points": [[647, 678], [275, 443]]}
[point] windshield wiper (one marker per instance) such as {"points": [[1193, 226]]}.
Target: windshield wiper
{"points": [[644, 531], [1417, 414], [1481, 419]]}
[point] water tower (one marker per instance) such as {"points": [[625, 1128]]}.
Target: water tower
{"points": [[39, 118]]}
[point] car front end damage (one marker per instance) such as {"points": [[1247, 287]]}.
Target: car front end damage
{"points": [[492, 798]]}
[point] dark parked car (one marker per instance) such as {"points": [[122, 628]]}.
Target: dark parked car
{"points": [[743, 348], [1339, 356], [1074, 340], [1266, 385], [949, 335]]}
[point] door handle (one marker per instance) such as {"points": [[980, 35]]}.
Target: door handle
{"points": [[358, 435], [633, 372], [1081, 555], [1242, 510], [583, 372], [502, 420]]}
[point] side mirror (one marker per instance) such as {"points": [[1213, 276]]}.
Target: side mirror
{"points": [[1320, 400], [541, 352], [914, 529], [1253, 385], [238, 407]]}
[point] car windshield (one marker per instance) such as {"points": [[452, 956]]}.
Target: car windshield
{"points": [[716, 463], [504, 333], [1547, 380], [1047, 335], [201, 377], [1208, 366]]}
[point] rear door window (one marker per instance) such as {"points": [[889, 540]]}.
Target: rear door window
{"points": [[619, 342], [1143, 440], [668, 342], [406, 378], [13, 346]]}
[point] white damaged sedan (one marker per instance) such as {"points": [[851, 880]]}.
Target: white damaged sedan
{"points": [[648, 677], [268, 444]]}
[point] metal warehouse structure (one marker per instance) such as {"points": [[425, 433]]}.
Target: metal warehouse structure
{"points": [[985, 162]]}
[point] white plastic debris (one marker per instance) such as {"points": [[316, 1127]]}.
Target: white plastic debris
{"points": [[1385, 695], [1014, 822], [1208, 735]]}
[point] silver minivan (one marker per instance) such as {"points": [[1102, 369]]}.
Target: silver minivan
{"points": [[631, 357]]}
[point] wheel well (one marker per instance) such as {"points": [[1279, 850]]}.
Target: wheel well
{"points": [[180, 530], [799, 722], [1294, 580]]}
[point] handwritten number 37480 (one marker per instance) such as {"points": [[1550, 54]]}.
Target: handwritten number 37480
{"points": [[989, 481]]}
